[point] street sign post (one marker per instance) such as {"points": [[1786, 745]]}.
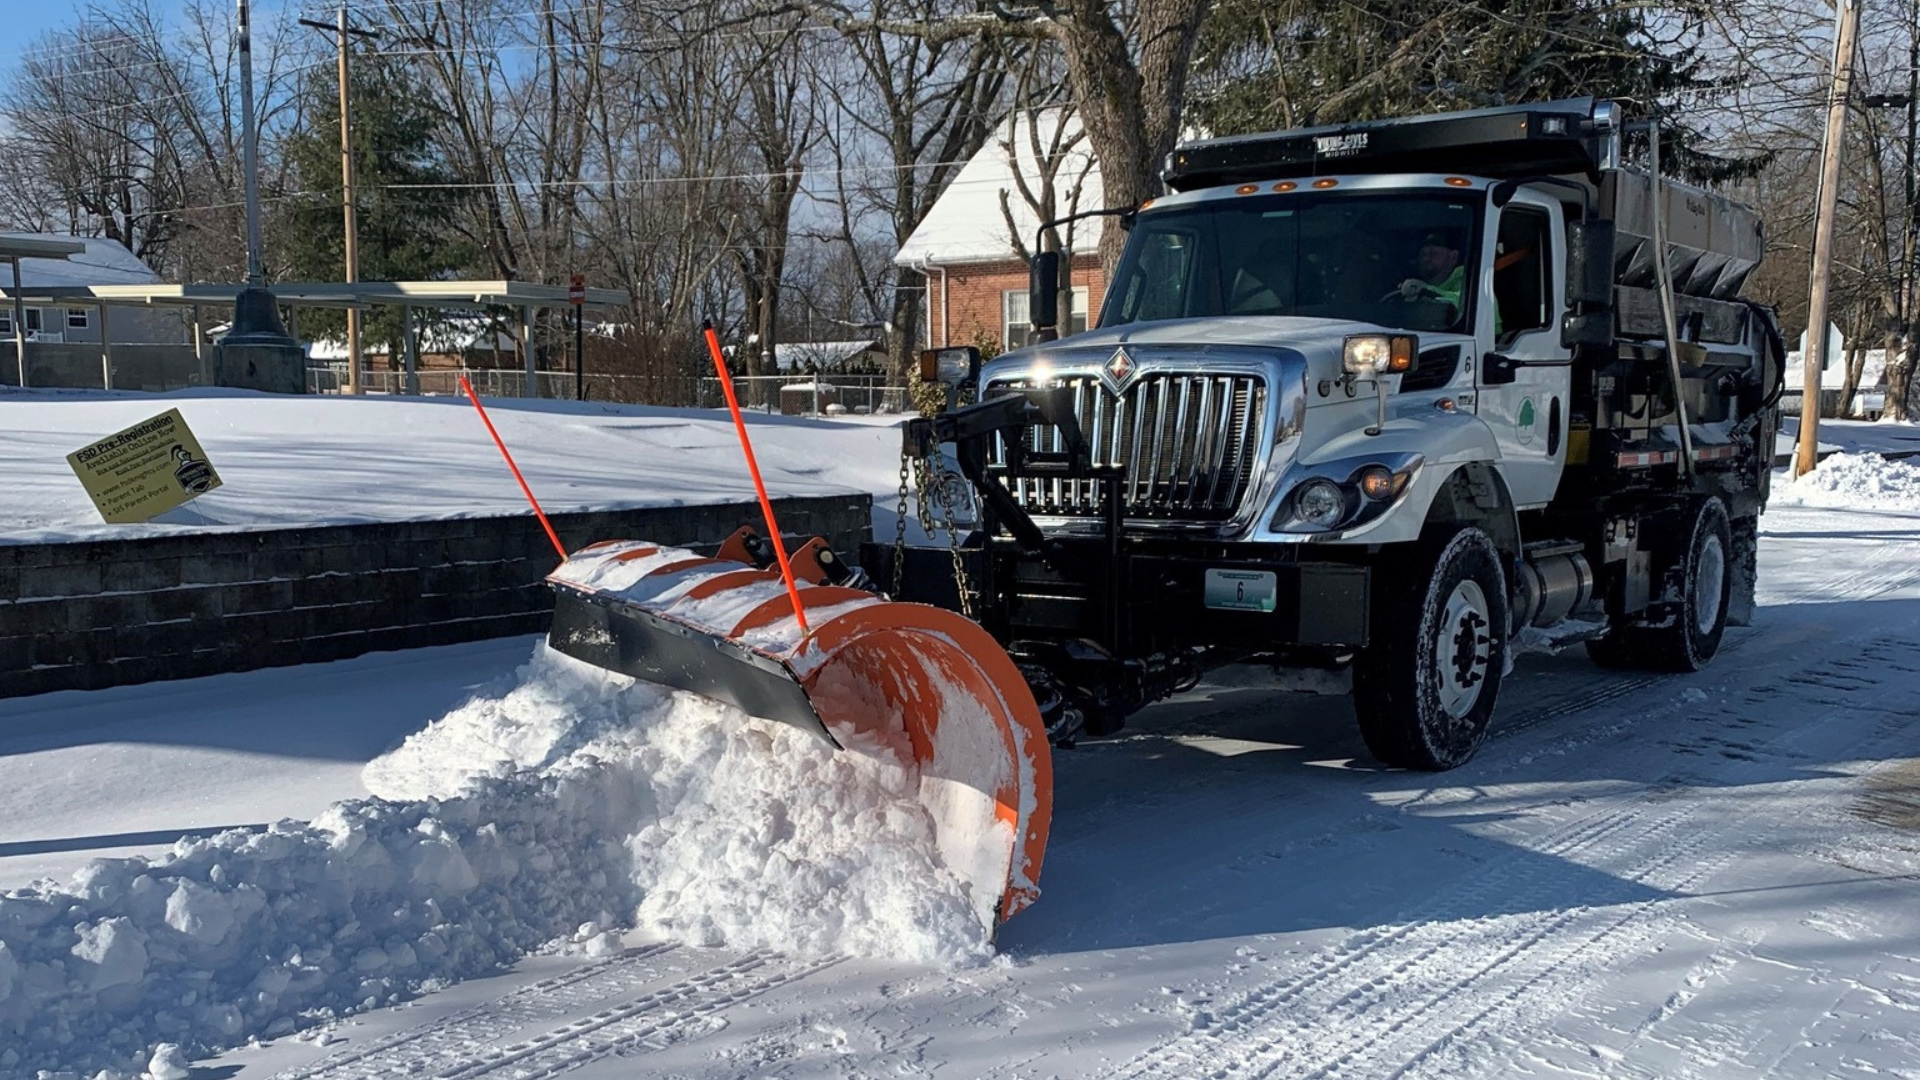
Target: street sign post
{"points": [[577, 296]]}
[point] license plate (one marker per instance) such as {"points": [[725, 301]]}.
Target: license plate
{"points": [[1240, 590]]}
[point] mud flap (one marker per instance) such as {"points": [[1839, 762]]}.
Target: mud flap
{"points": [[873, 676]]}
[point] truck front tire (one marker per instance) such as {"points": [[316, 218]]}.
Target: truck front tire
{"points": [[1424, 690]]}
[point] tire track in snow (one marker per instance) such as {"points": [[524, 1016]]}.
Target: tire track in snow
{"points": [[1534, 999], [1610, 689], [1365, 970], [685, 1009], [420, 1050], [1538, 968], [1364, 1002], [617, 1005]]}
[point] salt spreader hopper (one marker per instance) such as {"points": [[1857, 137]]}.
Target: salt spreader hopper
{"points": [[868, 675]]}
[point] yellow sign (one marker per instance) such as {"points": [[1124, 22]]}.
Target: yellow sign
{"points": [[144, 471]]}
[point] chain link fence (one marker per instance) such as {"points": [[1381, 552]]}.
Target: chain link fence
{"points": [[793, 395]]}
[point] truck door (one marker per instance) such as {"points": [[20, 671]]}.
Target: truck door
{"points": [[1524, 379]]}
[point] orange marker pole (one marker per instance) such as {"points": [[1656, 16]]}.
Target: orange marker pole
{"points": [[753, 467], [537, 512]]}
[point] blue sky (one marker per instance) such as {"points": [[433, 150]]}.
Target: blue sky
{"points": [[22, 22]]}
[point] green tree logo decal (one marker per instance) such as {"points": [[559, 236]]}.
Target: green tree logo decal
{"points": [[1525, 421]]}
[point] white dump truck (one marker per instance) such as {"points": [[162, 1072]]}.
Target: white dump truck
{"points": [[1372, 399]]}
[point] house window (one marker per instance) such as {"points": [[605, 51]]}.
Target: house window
{"points": [[33, 320], [77, 318], [6, 322], [1016, 327]]}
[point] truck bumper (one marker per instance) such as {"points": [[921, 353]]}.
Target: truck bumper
{"points": [[1163, 600]]}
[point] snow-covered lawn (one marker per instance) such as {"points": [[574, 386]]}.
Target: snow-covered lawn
{"points": [[1706, 876], [340, 460]]}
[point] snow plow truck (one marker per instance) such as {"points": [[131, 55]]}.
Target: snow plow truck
{"points": [[1372, 401]]}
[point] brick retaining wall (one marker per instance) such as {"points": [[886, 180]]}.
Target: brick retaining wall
{"points": [[81, 616]]}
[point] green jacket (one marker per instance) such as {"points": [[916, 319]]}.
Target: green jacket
{"points": [[1452, 290]]}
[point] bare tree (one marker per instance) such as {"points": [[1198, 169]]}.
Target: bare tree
{"points": [[1127, 65], [125, 124], [908, 112], [1043, 144]]}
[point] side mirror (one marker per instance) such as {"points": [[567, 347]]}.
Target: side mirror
{"points": [[1590, 263], [1043, 291]]}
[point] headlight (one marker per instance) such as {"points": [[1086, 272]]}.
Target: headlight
{"points": [[954, 367], [1380, 354], [1321, 503]]}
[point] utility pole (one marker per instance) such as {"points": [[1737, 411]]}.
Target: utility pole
{"points": [[1813, 364], [346, 201], [577, 299], [342, 32], [1909, 303], [249, 148], [256, 352]]}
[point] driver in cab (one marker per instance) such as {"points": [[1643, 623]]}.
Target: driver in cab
{"points": [[1441, 277]]}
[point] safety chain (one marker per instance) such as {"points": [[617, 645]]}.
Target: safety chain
{"points": [[961, 583], [924, 471], [900, 531]]}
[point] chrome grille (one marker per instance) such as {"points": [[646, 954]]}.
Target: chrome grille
{"points": [[1188, 443]]}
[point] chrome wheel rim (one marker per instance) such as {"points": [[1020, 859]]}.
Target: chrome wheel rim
{"points": [[1709, 582], [1463, 648]]}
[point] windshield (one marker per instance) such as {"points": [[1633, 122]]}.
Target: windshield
{"points": [[1398, 259]]}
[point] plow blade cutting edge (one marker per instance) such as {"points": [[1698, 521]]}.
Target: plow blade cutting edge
{"points": [[919, 678]]}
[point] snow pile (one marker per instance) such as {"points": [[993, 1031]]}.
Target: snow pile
{"points": [[570, 798], [1855, 482], [261, 933], [747, 833]]}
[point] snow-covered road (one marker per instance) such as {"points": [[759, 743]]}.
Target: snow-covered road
{"points": [[1709, 876], [1705, 876]]}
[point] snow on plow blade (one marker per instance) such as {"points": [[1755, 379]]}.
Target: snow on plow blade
{"points": [[872, 673]]}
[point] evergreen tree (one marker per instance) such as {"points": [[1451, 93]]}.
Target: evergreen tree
{"points": [[1264, 65], [406, 198]]}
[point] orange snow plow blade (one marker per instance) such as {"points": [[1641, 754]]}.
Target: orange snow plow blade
{"points": [[872, 674]]}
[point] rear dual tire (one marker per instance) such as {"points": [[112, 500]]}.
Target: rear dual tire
{"points": [[1684, 634], [1424, 690]]}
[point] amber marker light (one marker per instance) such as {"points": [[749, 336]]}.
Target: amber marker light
{"points": [[1459, 181], [1376, 482], [1325, 182], [1400, 353], [1146, 204], [1246, 189], [1285, 186]]}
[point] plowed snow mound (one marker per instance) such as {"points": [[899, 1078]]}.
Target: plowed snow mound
{"points": [[567, 801], [1855, 482], [745, 833]]}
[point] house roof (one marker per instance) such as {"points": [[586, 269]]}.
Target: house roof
{"points": [[453, 335], [53, 261], [792, 355], [967, 225], [334, 294]]}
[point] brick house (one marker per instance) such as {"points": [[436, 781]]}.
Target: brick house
{"points": [[976, 281]]}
